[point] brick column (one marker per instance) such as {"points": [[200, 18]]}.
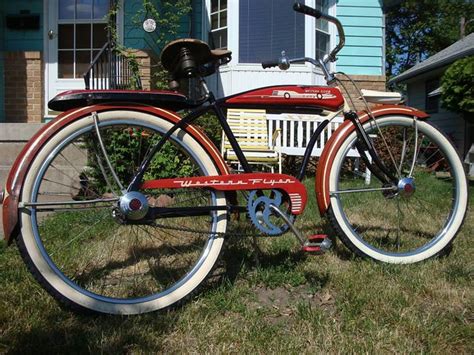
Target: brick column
{"points": [[24, 87], [369, 82], [146, 62]]}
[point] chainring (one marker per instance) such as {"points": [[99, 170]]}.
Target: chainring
{"points": [[261, 215]]}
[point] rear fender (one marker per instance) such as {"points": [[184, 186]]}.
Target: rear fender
{"points": [[337, 138], [22, 163]]}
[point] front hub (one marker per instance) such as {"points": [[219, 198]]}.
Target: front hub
{"points": [[133, 205], [406, 187]]}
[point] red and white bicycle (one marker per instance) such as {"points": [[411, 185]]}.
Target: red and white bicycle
{"points": [[120, 206]]}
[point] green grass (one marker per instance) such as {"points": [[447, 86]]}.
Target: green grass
{"points": [[276, 301]]}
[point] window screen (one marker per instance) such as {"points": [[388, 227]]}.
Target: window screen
{"points": [[268, 27]]}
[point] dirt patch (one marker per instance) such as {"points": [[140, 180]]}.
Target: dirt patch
{"points": [[283, 301]]}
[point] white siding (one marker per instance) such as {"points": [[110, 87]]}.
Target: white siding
{"points": [[235, 79], [450, 123]]}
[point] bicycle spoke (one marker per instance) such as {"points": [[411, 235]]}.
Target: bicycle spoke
{"points": [[377, 189]]}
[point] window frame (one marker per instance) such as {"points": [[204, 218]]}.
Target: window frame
{"points": [[322, 30], [75, 50], [219, 27]]}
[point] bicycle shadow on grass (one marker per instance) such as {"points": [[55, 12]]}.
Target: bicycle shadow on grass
{"points": [[264, 255], [61, 332]]}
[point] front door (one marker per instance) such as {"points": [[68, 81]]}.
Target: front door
{"points": [[76, 30]]}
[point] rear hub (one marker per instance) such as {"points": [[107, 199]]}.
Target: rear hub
{"points": [[133, 205]]}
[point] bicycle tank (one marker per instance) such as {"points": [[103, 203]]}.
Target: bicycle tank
{"points": [[323, 97]]}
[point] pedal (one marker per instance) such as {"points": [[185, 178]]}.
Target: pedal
{"points": [[317, 244]]}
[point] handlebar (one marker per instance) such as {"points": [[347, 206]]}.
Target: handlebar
{"points": [[306, 10], [298, 7]]}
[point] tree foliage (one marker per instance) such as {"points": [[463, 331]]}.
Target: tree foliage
{"points": [[417, 29], [457, 86]]}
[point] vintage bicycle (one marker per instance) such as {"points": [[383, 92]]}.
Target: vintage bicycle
{"points": [[121, 206]]}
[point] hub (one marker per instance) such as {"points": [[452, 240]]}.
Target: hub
{"points": [[406, 187], [133, 205]]}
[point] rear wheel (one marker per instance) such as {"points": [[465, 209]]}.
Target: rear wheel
{"points": [[73, 234], [409, 221]]}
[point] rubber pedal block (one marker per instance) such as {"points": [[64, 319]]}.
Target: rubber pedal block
{"points": [[317, 238], [311, 249]]}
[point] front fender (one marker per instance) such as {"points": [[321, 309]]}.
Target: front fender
{"points": [[22, 163], [333, 144]]}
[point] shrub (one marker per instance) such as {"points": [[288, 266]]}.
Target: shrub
{"points": [[456, 85]]}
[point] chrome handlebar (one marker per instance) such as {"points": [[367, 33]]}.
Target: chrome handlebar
{"points": [[298, 7]]}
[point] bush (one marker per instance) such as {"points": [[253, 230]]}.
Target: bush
{"points": [[127, 149], [456, 85]]}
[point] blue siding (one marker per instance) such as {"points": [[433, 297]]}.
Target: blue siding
{"points": [[23, 40], [363, 26]]}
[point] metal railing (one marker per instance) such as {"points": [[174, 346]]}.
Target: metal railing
{"points": [[111, 70]]}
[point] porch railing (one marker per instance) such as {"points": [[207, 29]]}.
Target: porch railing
{"points": [[110, 69]]}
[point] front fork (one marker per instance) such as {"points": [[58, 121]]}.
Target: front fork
{"points": [[364, 145]]}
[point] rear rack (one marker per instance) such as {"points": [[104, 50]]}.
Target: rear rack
{"points": [[111, 70]]}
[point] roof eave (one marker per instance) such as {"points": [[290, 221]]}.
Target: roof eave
{"points": [[438, 64]]}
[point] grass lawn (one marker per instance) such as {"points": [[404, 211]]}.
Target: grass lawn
{"points": [[280, 301]]}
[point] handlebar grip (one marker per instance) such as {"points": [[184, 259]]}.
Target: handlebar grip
{"points": [[269, 64], [298, 7]]}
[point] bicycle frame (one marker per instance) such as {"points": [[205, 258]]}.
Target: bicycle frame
{"points": [[217, 107]]}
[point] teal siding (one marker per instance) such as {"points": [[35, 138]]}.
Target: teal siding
{"points": [[23, 40], [196, 29], [134, 35], [363, 25]]}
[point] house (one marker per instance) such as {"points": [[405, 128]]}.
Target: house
{"points": [[423, 92], [39, 56], [47, 45]]}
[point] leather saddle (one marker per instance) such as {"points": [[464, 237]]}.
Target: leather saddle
{"points": [[188, 57]]}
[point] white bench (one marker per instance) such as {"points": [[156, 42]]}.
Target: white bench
{"points": [[296, 131]]}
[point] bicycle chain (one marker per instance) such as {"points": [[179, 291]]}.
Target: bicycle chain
{"points": [[227, 234]]}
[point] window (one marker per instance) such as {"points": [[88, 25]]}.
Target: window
{"points": [[432, 95], [267, 27], [322, 30], [81, 34], [218, 35]]}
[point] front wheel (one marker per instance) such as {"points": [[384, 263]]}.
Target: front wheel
{"points": [[74, 237], [412, 219]]}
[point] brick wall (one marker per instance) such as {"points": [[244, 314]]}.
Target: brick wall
{"points": [[147, 64], [369, 82], [23, 87]]}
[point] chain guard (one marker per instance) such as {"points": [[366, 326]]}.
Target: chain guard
{"points": [[262, 216]]}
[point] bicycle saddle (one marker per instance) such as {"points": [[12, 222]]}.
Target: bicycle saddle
{"points": [[188, 57]]}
